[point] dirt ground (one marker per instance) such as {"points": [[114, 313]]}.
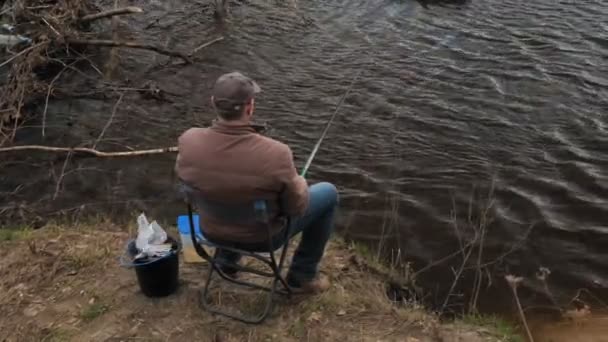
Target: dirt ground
{"points": [[66, 284], [589, 328]]}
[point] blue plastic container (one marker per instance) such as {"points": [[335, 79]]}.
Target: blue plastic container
{"points": [[183, 226]]}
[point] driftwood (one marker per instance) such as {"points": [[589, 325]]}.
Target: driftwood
{"points": [[111, 13], [133, 45], [91, 151]]}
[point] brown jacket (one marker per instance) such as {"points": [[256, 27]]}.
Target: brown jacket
{"points": [[231, 163]]}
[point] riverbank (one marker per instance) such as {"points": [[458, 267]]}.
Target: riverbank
{"points": [[63, 283]]}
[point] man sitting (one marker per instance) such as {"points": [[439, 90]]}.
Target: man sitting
{"points": [[230, 162]]}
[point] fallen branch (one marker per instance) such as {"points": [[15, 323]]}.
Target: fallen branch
{"points": [[87, 150], [133, 45], [206, 44], [111, 13]]}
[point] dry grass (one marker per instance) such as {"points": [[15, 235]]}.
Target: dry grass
{"points": [[65, 284]]}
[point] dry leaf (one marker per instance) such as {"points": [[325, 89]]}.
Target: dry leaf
{"points": [[315, 316], [341, 313]]}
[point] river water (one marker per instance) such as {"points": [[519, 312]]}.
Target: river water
{"points": [[494, 109]]}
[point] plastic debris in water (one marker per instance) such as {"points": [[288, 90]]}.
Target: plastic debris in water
{"points": [[8, 28], [11, 40]]}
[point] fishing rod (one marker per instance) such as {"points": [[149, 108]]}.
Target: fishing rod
{"points": [[329, 122]]}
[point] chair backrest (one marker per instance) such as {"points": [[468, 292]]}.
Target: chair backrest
{"points": [[248, 212]]}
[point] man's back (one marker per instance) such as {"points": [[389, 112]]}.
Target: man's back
{"points": [[231, 163], [230, 166]]}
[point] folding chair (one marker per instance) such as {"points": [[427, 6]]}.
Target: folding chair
{"points": [[259, 212]]}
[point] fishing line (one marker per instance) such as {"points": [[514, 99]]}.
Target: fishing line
{"points": [[331, 119], [444, 42]]}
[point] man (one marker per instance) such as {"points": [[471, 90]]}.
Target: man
{"points": [[231, 163]]}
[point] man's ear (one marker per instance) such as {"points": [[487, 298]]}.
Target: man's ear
{"points": [[250, 107]]}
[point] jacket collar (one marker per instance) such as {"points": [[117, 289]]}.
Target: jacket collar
{"points": [[236, 127]]}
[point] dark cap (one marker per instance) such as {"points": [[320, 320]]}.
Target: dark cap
{"points": [[233, 90]]}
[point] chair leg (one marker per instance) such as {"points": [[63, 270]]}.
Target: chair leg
{"points": [[205, 292], [278, 278], [280, 267], [242, 318]]}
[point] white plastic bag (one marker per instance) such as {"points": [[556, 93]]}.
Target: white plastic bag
{"points": [[159, 235], [149, 235]]}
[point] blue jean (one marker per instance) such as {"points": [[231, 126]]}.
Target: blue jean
{"points": [[316, 226]]}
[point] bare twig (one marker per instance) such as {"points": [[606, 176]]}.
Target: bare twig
{"points": [[579, 293], [60, 179], [87, 150], [513, 284], [15, 191], [39, 7], [454, 218], [18, 113], [111, 13], [48, 95], [103, 131], [206, 44], [512, 249], [133, 45], [51, 27], [86, 58], [542, 275], [20, 53], [440, 261], [457, 276], [484, 222], [69, 66], [6, 10]]}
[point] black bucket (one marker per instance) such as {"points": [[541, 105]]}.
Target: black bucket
{"points": [[158, 277]]}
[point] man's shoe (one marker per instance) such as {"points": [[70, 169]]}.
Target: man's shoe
{"points": [[318, 284]]}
